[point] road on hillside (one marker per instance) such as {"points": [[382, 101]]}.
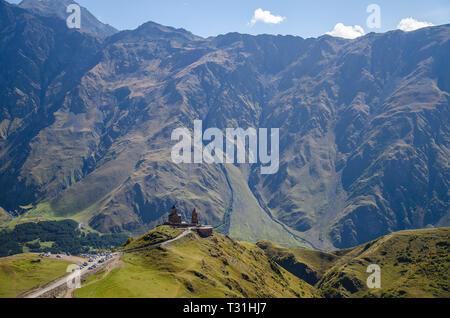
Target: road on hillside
{"points": [[185, 232], [63, 280]]}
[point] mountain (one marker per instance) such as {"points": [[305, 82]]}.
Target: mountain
{"points": [[58, 8], [412, 263], [34, 77], [85, 128]]}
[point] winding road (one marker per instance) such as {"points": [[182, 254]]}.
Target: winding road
{"points": [[85, 271]]}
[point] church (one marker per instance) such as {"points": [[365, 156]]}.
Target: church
{"points": [[175, 220]]}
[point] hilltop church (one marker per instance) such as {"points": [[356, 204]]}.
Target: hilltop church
{"points": [[175, 220]]}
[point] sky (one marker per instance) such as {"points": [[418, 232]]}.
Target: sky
{"points": [[305, 18]]}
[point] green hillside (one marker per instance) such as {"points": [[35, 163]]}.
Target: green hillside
{"points": [[19, 273], [155, 236], [3, 215], [413, 264], [309, 265], [193, 267]]}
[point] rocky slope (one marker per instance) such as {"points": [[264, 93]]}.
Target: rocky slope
{"points": [[85, 128]]}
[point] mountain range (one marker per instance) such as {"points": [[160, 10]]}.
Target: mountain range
{"points": [[86, 118]]}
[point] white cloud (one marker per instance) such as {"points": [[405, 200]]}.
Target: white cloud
{"points": [[266, 17], [411, 24], [347, 32]]}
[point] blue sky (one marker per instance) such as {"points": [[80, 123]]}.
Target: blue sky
{"points": [[299, 17]]}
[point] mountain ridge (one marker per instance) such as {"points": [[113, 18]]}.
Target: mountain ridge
{"points": [[363, 128]]}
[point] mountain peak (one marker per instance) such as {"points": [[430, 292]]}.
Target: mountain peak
{"points": [[58, 8], [152, 31], [164, 31]]}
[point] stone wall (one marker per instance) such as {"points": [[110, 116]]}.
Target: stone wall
{"points": [[205, 231]]}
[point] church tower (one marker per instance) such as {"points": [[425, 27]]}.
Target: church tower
{"points": [[194, 217], [174, 217]]}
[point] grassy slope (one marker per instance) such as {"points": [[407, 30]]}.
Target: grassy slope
{"points": [[192, 267], [44, 212], [249, 222], [18, 274], [308, 265], [3, 215], [155, 236], [413, 264]]}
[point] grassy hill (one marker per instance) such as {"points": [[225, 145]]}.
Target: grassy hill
{"points": [[193, 267], [413, 264], [155, 236], [19, 273]]}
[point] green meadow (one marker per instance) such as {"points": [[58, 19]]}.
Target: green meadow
{"points": [[19, 273]]}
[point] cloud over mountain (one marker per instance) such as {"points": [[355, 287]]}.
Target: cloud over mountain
{"points": [[347, 32], [264, 16], [411, 24]]}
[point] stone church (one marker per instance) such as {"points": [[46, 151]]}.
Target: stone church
{"points": [[175, 220]]}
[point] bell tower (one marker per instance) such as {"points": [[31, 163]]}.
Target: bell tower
{"points": [[194, 219]]}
